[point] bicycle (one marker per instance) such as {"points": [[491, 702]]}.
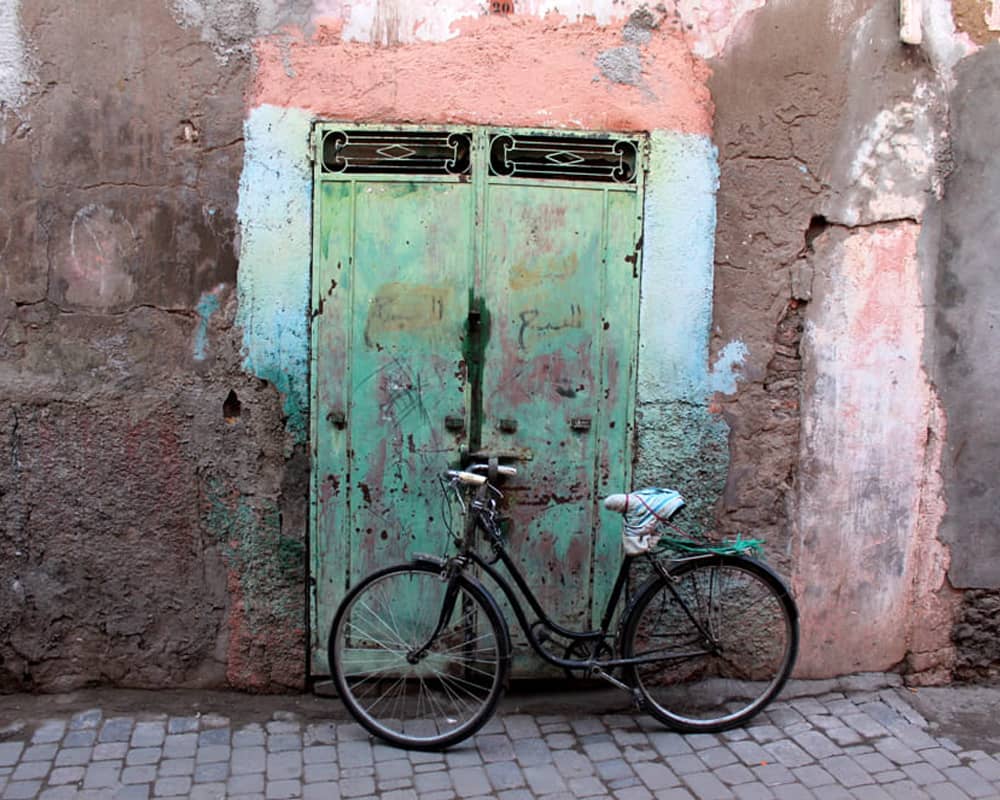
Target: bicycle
{"points": [[420, 651]]}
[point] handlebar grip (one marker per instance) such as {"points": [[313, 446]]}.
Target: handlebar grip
{"points": [[501, 469], [467, 477]]}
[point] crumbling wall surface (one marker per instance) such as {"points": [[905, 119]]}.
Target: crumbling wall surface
{"points": [[772, 132], [829, 157], [977, 636], [146, 538], [966, 364]]}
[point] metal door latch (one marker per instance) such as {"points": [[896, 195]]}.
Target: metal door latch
{"points": [[454, 423], [338, 419], [507, 426]]}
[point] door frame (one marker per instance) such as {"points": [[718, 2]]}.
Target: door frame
{"points": [[478, 177]]}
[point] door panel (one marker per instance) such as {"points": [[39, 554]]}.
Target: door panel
{"points": [[411, 269], [494, 310], [557, 268], [389, 373], [542, 380]]}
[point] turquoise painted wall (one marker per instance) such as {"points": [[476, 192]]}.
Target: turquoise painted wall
{"points": [[275, 216], [680, 443]]}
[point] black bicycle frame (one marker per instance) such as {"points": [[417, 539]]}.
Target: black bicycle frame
{"points": [[484, 523]]}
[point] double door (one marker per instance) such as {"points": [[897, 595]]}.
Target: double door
{"points": [[474, 291]]}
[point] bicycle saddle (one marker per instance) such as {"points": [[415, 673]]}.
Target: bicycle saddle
{"points": [[644, 510]]}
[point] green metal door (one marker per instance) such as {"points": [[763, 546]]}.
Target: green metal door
{"points": [[422, 238]]}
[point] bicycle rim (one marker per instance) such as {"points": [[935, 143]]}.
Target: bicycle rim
{"points": [[725, 634], [450, 692]]}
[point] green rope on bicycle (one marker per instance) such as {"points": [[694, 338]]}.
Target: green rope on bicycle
{"points": [[734, 547]]}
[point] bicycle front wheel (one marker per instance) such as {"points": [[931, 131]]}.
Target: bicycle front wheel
{"points": [[422, 700], [718, 640]]}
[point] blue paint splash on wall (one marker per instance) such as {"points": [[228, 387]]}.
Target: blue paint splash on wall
{"points": [[207, 305], [725, 372], [677, 267]]}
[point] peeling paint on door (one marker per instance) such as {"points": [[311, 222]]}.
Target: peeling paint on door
{"points": [[439, 336]]}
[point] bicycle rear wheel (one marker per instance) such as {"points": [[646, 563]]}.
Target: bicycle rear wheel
{"points": [[425, 702], [721, 636]]}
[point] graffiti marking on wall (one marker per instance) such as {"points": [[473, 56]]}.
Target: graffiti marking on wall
{"points": [[102, 247], [532, 319], [406, 308]]}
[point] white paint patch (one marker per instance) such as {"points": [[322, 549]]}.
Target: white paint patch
{"points": [[229, 26], [707, 24], [992, 16], [713, 22], [894, 165], [945, 45], [405, 21], [910, 22], [726, 370], [226, 33], [15, 69]]}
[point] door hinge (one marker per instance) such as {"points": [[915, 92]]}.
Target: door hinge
{"points": [[313, 138]]}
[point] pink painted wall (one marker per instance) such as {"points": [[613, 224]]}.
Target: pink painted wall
{"points": [[522, 71], [866, 559]]}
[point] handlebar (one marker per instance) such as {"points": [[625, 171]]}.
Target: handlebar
{"points": [[501, 469], [466, 477]]}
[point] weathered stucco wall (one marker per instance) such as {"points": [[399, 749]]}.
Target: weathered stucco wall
{"points": [[152, 532], [815, 320], [835, 168], [156, 260], [966, 362], [866, 411]]}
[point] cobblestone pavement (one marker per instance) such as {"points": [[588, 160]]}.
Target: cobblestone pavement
{"points": [[869, 745]]}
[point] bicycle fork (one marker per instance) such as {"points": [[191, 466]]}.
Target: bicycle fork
{"points": [[447, 609]]}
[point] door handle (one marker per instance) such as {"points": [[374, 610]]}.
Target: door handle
{"points": [[581, 424], [454, 423]]}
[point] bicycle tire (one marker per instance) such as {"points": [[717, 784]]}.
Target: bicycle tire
{"points": [[728, 669], [448, 694]]}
